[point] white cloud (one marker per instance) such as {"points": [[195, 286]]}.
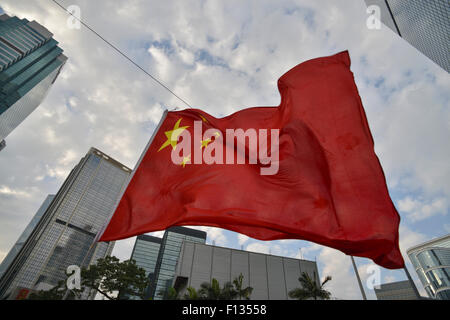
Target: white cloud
{"points": [[338, 265], [69, 157], [5, 190], [258, 247], [214, 235], [418, 210], [267, 247], [409, 238], [242, 238]]}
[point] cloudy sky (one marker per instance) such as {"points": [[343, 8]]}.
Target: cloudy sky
{"points": [[223, 56]]}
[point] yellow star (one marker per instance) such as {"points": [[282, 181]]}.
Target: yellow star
{"points": [[172, 135], [217, 133], [185, 160], [203, 118], [205, 143]]}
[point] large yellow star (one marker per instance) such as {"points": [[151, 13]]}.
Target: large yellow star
{"points": [[172, 135]]}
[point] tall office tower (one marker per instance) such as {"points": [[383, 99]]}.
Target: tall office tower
{"points": [[424, 24], [168, 256], [145, 253], [400, 290], [30, 61], [65, 233], [25, 234], [432, 263], [271, 277]]}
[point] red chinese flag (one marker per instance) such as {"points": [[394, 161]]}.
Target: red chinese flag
{"points": [[328, 188]]}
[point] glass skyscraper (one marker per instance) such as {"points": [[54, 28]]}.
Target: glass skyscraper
{"points": [[432, 263], [424, 24], [168, 256], [145, 253], [64, 234], [30, 61], [25, 234]]}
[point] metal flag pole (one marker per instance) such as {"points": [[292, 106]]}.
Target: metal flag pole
{"points": [[359, 279], [413, 285]]}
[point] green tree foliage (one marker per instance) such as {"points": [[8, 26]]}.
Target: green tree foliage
{"points": [[169, 294], [109, 275], [240, 291], [56, 293], [310, 289], [191, 294], [213, 291]]}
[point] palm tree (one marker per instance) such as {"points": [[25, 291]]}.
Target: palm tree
{"points": [[241, 292], [169, 294], [228, 292], [191, 294], [213, 291], [210, 291], [310, 288]]}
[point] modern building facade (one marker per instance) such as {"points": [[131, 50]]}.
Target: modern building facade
{"points": [[424, 24], [30, 61], [431, 261], [25, 234], [271, 277], [145, 253], [171, 244], [400, 290], [65, 232]]}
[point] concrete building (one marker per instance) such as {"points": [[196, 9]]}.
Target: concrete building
{"points": [[30, 62], [64, 234], [401, 290], [271, 277], [431, 261]]}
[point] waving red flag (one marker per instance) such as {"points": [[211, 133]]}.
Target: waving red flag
{"points": [[303, 170]]}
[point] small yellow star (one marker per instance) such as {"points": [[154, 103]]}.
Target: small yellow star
{"points": [[217, 133], [205, 143], [203, 118], [172, 135], [185, 160]]}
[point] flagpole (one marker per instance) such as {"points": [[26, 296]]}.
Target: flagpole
{"points": [[359, 279]]}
